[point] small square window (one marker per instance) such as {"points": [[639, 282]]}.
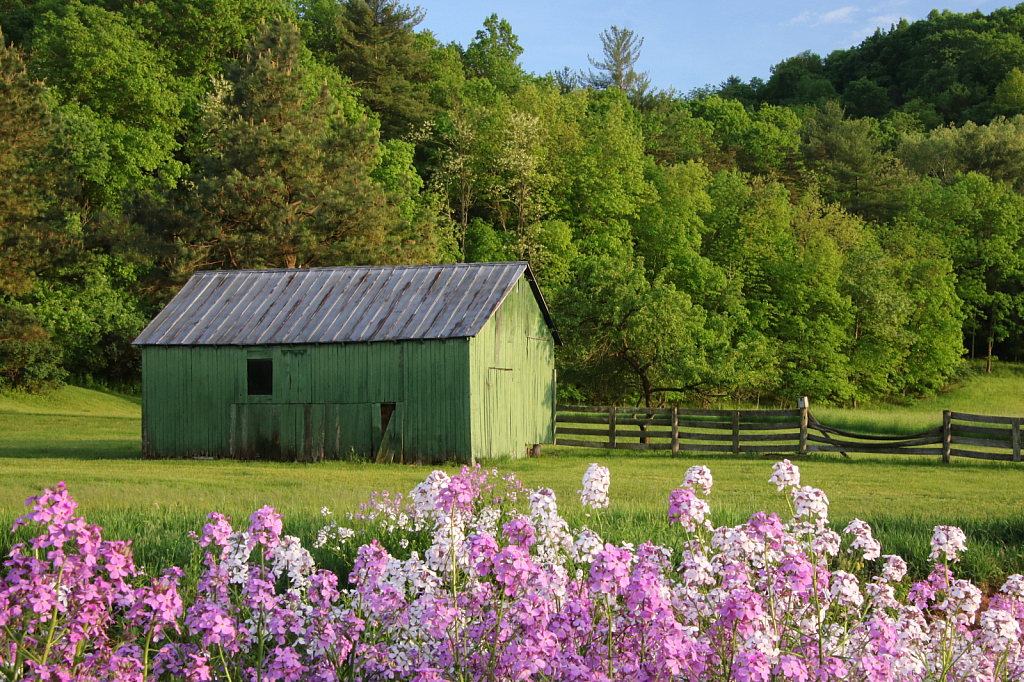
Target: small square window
{"points": [[260, 377]]}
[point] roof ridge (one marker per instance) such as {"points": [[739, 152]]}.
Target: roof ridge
{"points": [[362, 267]]}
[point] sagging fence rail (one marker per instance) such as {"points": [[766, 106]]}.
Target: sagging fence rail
{"points": [[777, 431]]}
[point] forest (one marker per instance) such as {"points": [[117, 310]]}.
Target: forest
{"points": [[849, 229]]}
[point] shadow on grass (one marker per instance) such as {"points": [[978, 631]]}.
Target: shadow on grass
{"points": [[930, 461], [83, 450]]}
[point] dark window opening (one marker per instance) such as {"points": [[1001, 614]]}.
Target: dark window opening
{"points": [[260, 377], [386, 410]]}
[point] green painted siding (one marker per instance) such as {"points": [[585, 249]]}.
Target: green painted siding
{"points": [[512, 378], [455, 399], [195, 400]]}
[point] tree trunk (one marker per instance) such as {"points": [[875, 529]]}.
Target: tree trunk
{"points": [[989, 367]]}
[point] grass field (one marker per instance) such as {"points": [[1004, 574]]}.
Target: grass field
{"points": [[91, 440], [1000, 393]]}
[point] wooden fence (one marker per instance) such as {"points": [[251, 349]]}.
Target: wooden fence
{"points": [[776, 431]]}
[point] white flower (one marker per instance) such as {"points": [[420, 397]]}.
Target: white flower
{"points": [[698, 477], [999, 631], [552, 530], [948, 540], [596, 482], [426, 497], [811, 502], [236, 556], [827, 542], [786, 474], [291, 558], [846, 589], [863, 540], [1014, 586], [895, 568], [587, 546]]}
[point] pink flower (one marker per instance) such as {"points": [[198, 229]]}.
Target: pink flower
{"points": [[610, 570], [785, 475], [688, 510]]}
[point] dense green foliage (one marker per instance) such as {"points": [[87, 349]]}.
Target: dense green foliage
{"points": [[847, 230]]}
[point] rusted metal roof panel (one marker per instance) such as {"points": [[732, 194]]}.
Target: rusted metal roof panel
{"points": [[336, 305]]}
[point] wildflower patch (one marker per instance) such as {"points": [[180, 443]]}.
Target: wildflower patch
{"points": [[504, 589]]}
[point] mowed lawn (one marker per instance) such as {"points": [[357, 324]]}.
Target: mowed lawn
{"points": [[91, 441]]}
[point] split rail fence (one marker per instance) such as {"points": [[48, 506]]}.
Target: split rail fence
{"points": [[777, 431]]}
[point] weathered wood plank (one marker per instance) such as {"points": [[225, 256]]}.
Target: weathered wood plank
{"points": [[629, 433], [983, 442], [646, 422], [675, 433], [818, 426], [643, 410], [571, 419], [582, 443], [873, 446], [974, 454], [642, 446], [743, 413], [690, 447], [691, 424], [947, 435], [744, 426], [879, 451], [581, 408], [963, 416], [961, 430], [1016, 439], [768, 448], [581, 432]]}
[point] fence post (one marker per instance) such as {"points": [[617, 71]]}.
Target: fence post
{"points": [[675, 431], [947, 434], [611, 427], [736, 432], [1016, 439], [804, 404]]}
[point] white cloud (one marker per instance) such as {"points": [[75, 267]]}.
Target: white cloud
{"points": [[836, 16]]}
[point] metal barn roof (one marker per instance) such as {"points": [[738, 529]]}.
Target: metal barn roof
{"points": [[337, 305]]}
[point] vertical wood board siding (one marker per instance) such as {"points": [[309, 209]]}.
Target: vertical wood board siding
{"points": [[512, 370]]}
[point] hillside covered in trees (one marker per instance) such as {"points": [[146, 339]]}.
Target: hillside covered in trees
{"points": [[849, 229]]}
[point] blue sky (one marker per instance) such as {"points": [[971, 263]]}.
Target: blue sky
{"points": [[686, 44]]}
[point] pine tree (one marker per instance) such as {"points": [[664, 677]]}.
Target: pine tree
{"points": [[621, 48], [285, 179], [375, 44]]}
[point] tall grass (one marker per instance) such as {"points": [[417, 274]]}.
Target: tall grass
{"points": [[90, 439], [1000, 393]]}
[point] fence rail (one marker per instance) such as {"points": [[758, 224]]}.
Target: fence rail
{"points": [[770, 431]]}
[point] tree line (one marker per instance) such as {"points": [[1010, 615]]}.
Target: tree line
{"points": [[848, 229]]}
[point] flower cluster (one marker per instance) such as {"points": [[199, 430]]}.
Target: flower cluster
{"points": [[506, 590], [596, 482]]}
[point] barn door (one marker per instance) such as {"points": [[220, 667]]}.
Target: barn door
{"points": [[349, 431], [498, 413], [296, 376], [279, 432], [388, 445]]}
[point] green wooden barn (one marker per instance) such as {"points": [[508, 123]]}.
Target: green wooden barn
{"points": [[405, 364]]}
